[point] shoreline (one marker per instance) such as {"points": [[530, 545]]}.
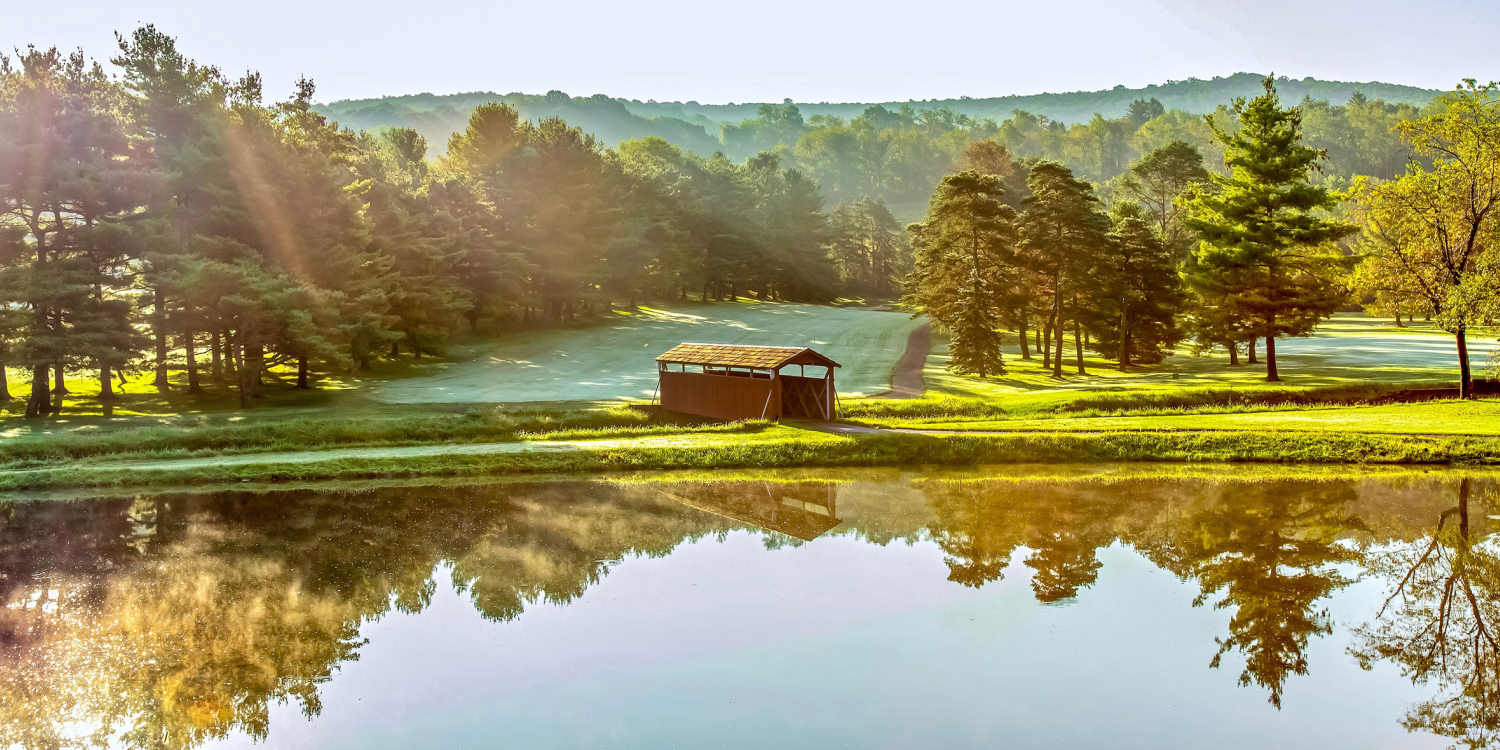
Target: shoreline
{"points": [[775, 450]]}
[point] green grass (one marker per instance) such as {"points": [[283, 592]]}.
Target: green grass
{"points": [[1331, 407], [70, 439], [1447, 417], [1352, 360], [785, 447], [616, 359]]}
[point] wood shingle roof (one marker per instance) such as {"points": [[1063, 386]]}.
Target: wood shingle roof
{"points": [[740, 355]]}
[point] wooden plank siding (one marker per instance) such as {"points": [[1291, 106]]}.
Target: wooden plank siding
{"points": [[745, 382], [721, 396]]}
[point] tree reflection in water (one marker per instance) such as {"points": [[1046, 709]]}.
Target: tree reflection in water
{"points": [[173, 621], [1441, 624], [1270, 556]]}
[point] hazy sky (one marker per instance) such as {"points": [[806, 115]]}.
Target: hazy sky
{"points": [[720, 50]]}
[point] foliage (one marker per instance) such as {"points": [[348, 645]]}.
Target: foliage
{"points": [[1265, 263], [171, 216], [964, 259], [1431, 239]]}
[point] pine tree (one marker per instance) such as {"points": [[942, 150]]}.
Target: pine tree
{"points": [[67, 178], [422, 289], [965, 256], [976, 337], [1263, 244], [1138, 293], [1062, 232]]}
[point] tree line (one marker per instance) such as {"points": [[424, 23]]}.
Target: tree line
{"points": [[896, 151], [1257, 250], [167, 216]]}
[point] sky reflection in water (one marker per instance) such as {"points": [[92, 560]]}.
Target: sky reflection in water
{"points": [[922, 612]]}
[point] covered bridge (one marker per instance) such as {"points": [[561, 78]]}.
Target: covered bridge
{"points": [[746, 382]]}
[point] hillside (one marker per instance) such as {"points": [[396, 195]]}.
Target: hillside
{"points": [[696, 127]]}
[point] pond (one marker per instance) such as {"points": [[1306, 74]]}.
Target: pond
{"points": [[875, 608]]}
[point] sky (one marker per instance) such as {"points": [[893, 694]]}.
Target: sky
{"points": [[715, 51]]}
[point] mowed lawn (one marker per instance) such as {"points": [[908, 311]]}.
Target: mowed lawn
{"points": [[1349, 350], [616, 360], [1448, 417]]}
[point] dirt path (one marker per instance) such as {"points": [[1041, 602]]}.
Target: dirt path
{"points": [[906, 379]]}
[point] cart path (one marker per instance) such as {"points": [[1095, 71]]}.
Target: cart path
{"points": [[906, 378], [357, 454]]}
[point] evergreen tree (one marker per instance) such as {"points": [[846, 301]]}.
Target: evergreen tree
{"points": [[68, 178], [869, 249], [1139, 293], [1062, 233], [176, 113], [421, 286], [794, 234], [976, 337], [965, 254], [1263, 242]]}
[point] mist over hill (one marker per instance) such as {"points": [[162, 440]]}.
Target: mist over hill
{"points": [[698, 127]]}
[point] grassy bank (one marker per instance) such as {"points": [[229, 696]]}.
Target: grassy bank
{"points": [[788, 447], [1344, 400], [275, 430]]}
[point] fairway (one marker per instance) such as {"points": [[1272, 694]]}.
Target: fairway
{"points": [[1347, 350], [617, 360]]}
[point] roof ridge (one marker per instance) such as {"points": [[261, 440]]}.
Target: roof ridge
{"points": [[741, 346]]}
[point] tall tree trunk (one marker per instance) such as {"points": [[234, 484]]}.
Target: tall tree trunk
{"points": [[216, 356], [106, 386], [1078, 345], [40, 403], [1059, 333], [190, 351], [1399, 324], [1021, 337], [159, 329], [1250, 347], [244, 387], [1124, 341], [1039, 336], [4, 383], [59, 388], [1271, 374], [302, 372], [1045, 343], [1234, 353], [231, 356], [250, 372], [1057, 325], [1465, 378]]}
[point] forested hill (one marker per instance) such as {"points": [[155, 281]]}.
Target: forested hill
{"points": [[697, 127], [1196, 96]]}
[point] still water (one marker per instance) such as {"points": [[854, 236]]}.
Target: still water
{"points": [[870, 609]]}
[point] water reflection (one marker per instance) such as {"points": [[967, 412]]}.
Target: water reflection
{"points": [[173, 621], [1441, 623]]}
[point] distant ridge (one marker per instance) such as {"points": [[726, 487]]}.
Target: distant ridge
{"points": [[1194, 95], [695, 126]]}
